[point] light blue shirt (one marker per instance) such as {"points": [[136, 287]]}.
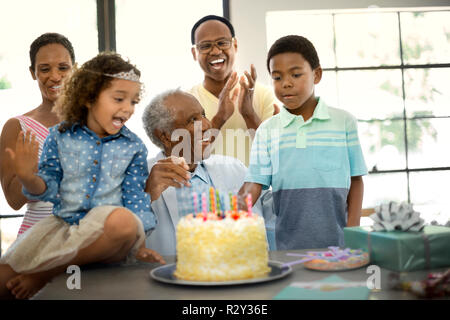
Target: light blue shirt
{"points": [[309, 165], [82, 171], [200, 183]]}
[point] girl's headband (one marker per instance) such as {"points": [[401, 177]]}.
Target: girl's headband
{"points": [[129, 75]]}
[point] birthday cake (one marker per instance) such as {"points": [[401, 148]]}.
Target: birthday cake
{"points": [[225, 247]]}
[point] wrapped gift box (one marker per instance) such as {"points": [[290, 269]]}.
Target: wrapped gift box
{"points": [[400, 250]]}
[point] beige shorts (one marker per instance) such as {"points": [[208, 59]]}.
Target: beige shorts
{"points": [[52, 242]]}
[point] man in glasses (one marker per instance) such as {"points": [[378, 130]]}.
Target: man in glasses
{"points": [[235, 104]]}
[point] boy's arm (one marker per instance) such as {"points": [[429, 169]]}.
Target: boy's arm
{"points": [[354, 201], [248, 188]]}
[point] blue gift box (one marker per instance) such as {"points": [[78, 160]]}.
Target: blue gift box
{"points": [[403, 250]]}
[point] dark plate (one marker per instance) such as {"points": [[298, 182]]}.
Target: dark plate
{"points": [[165, 274]]}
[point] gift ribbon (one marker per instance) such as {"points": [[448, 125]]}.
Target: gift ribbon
{"points": [[426, 244]]}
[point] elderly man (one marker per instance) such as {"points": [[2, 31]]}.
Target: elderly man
{"points": [[175, 121], [236, 105]]}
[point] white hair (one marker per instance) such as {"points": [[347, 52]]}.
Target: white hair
{"points": [[157, 116]]}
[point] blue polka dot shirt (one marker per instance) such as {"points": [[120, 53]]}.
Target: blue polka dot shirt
{"points": [[83, 171]]}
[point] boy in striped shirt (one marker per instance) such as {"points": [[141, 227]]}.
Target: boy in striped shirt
{"points": [[309, 154]]}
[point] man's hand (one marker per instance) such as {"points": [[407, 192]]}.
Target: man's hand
{"points": [[227, 101], [245, 104], [247, 91], [172, 171]]}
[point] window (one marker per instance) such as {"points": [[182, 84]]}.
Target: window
{"points": [[390, 69], [77, 20], [157, 38], [153, 35]]}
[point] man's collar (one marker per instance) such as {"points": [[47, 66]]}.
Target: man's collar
{"points": [[200, 171], [320, 113]]}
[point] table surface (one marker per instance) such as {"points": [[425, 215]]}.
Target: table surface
{"points": [[133, 282]]}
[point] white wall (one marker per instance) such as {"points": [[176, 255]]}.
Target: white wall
{"points": [[248, 18]]}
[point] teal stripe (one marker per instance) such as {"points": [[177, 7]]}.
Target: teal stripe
{"points": [[326, 132], [326, 140], [287, 142], [286, 135], [312, 167]]}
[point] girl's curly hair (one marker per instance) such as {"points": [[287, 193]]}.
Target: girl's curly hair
{"points": [[85, 85]]}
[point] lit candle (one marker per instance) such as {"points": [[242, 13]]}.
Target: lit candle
{"points": [[235, 203], [222, 199], [249, 204], [204, 205], [194, 194], [218, 202], [212, 201]]}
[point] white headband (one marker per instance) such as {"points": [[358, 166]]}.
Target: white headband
{"points": [[130, 75]]}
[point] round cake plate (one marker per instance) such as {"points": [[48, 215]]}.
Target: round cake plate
{"points": [[165, 274]]}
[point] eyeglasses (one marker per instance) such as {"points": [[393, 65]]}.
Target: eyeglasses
{"points": [[207, 46]]}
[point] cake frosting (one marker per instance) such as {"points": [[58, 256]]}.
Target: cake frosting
{"points": [[221, 248]]}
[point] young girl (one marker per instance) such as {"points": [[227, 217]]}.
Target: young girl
{"points": [[51, 57], [93, 169]]}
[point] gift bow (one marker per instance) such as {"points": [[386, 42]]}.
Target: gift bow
{"points": [[393, 216]]}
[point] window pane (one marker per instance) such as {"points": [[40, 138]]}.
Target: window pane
{"points": [[156, 37], [425, 37], [427, 92], [283, 23], [76, 20], [383, 144], [382, 188], [22, 21], [428, 143], [9, 229], [374, 94], [367, 39], [327, 88], [429, 195]]}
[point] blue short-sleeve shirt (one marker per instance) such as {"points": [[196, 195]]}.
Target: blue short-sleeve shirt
{"points": [[309, 166]]}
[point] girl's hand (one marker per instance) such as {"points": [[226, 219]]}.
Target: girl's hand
{"points": [[26, 155], [149, 255]]}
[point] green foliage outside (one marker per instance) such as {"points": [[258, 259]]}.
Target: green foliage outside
{"points": [[4, 83], [392, 132]]}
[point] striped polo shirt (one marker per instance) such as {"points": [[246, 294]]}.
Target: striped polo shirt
{"points": [[309, 166]]}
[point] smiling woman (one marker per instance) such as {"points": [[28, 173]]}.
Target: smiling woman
{"points": [[75, 20], [52, 57]]}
